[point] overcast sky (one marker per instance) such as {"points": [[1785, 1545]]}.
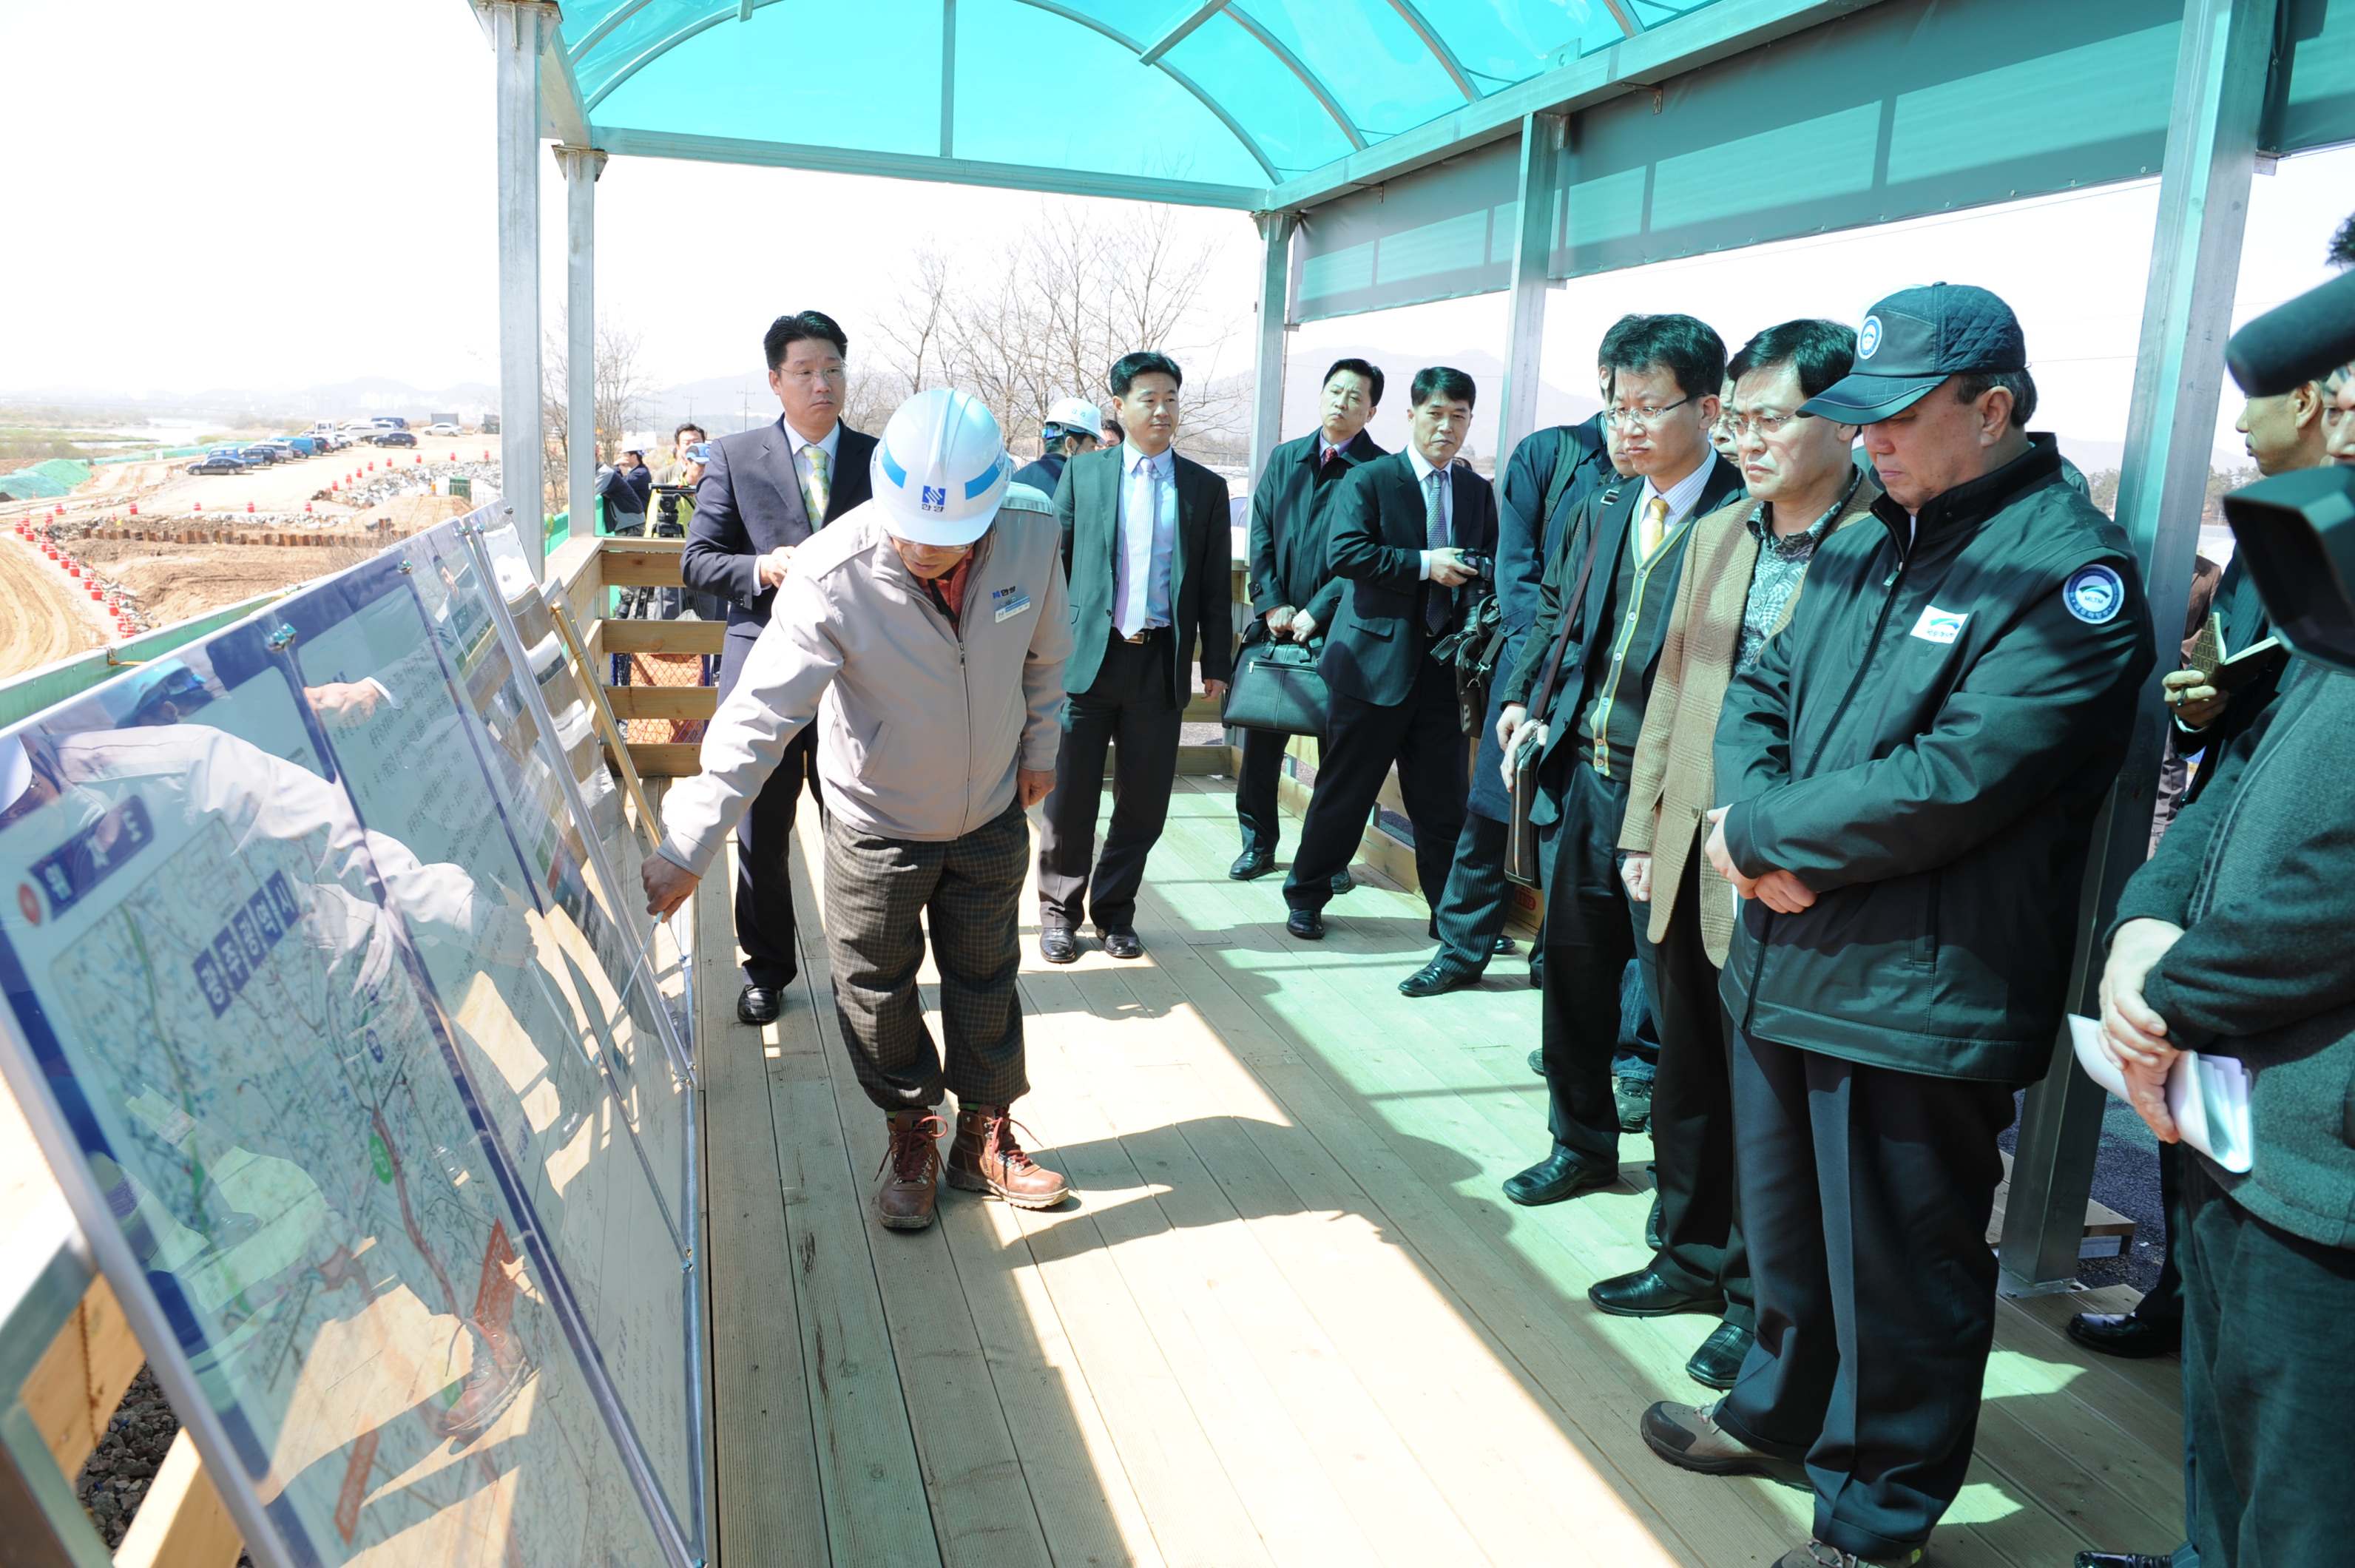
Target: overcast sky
{"points": [[259, 195]]}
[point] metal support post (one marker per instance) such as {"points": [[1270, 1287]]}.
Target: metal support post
{"points": [[1275, 231], [581, 165], [2203, 197], [517, 30], [1533, 230]]}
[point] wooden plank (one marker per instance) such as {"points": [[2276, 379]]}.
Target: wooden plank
{"points": [[182, 1521], [611, 545], [768, 1506], [661, 759], [73, 1391], [973, 1471], [663, 636], [662, 701], [639, 567]]}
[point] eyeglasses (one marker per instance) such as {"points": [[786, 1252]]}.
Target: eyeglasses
{"points": [[1765, 422], [1638, 419]]}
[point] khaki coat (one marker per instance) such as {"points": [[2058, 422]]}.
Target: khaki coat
{"points": [[1673, 783]]}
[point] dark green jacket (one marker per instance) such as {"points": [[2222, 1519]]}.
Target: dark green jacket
{"points": [[2261, 875], [1202, 576], [1925, 746]]}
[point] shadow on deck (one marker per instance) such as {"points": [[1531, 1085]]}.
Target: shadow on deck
{"points": [[1289, 1318]]}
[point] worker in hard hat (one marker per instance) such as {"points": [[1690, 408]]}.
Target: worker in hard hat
{"points": [[1072, 427], [924, 635]]}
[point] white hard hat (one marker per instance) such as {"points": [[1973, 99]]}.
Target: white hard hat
{"points": [[1075, 414], [941, 468]]}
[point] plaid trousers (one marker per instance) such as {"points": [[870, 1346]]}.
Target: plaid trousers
{"points": [[970, 888]]}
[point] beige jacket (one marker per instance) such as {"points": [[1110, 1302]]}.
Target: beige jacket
{"points": [[1673, 783], [921, 723]]}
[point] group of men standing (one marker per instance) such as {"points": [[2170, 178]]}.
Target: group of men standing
{"points": [[1815, 741]]}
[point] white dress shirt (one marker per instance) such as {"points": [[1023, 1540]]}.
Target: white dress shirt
{"points": [[1423, 472], [1148, 536]]}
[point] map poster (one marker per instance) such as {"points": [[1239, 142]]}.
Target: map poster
{"points": [[220, 1017]]}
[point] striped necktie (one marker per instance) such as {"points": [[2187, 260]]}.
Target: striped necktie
{"points": [[815, 488], [1439, 601]]}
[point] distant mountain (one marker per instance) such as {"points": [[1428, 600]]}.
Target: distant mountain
{"points": [[363, 395]]}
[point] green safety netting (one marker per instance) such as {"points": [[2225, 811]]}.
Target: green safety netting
{"points": [[1238, 92]]}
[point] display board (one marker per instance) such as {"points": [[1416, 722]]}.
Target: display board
{"points": [[366, 1073]]}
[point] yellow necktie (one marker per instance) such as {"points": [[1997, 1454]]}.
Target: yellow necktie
{"points": [[814, 487], [1651, 528]]}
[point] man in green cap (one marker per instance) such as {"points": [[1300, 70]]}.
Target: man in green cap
{"points": [[1908, 779]]}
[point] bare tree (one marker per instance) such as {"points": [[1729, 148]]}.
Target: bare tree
{"points": [[1050, 313], [621, 390]]}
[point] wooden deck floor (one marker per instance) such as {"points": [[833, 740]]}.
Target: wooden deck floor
{"points": [[1290, 1318]]}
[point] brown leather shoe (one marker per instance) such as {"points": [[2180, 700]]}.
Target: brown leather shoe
{"points": [[986, 1159], [909, 1184]]}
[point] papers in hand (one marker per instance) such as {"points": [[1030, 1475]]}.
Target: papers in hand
{"points": [[2207, 1095]]}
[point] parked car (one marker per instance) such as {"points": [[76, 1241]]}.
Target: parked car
{"points": [[390, 422], [442, 428], [393, 438], [259, 453], [284, 450], [304, 445], [218, 462]]}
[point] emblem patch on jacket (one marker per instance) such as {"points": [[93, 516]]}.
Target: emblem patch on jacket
{"points": [[1008, 603], [2094, 595], [1940, 626]]}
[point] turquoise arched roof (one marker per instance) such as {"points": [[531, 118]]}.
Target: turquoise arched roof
{"points": [[1240, 94]]}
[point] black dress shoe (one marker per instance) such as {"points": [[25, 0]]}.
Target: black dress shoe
{"points": [[1502, 945], [1648, 1293], [2125, 1559], [1632, 1097], [1718, 1360], [1559, 1175], [758, 1005], [1059, 945], [1307, 924], [2124, 1334], [1343, 883], [1437, 978], [1121, 941], [1249, 864], [1537, 1063]]}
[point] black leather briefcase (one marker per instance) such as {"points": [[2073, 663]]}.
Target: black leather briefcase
{"points": [[1277, 688]]}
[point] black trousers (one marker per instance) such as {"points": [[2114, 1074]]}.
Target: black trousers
{"points": [[1590, 939], [1472, 906], [883, 897], [1692, 1103], [1255, 808], [2266, 1388], [1865, 1197], [1425, 736], [764, 879], [1131, 707]]}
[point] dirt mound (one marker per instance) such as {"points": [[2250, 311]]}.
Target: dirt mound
{"points": [[172, 581], [40, 621]]}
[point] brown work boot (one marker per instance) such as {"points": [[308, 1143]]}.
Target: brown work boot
{"points": [[909, 1184], [986, 1159]]}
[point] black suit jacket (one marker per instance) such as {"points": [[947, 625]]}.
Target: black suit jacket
{"points": [[748, 503], [1202, 583], [1376, 649], [1604, 518], [1290, 513]]}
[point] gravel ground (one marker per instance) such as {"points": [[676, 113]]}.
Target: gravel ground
{"points": [[2125, 1177], [115, 1477]]}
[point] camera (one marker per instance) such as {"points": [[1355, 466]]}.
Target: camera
{"points": [[1480, 563]]}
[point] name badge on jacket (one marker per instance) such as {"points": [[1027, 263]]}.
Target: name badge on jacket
{"points": [[1008, 603], [1941, 627]]}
